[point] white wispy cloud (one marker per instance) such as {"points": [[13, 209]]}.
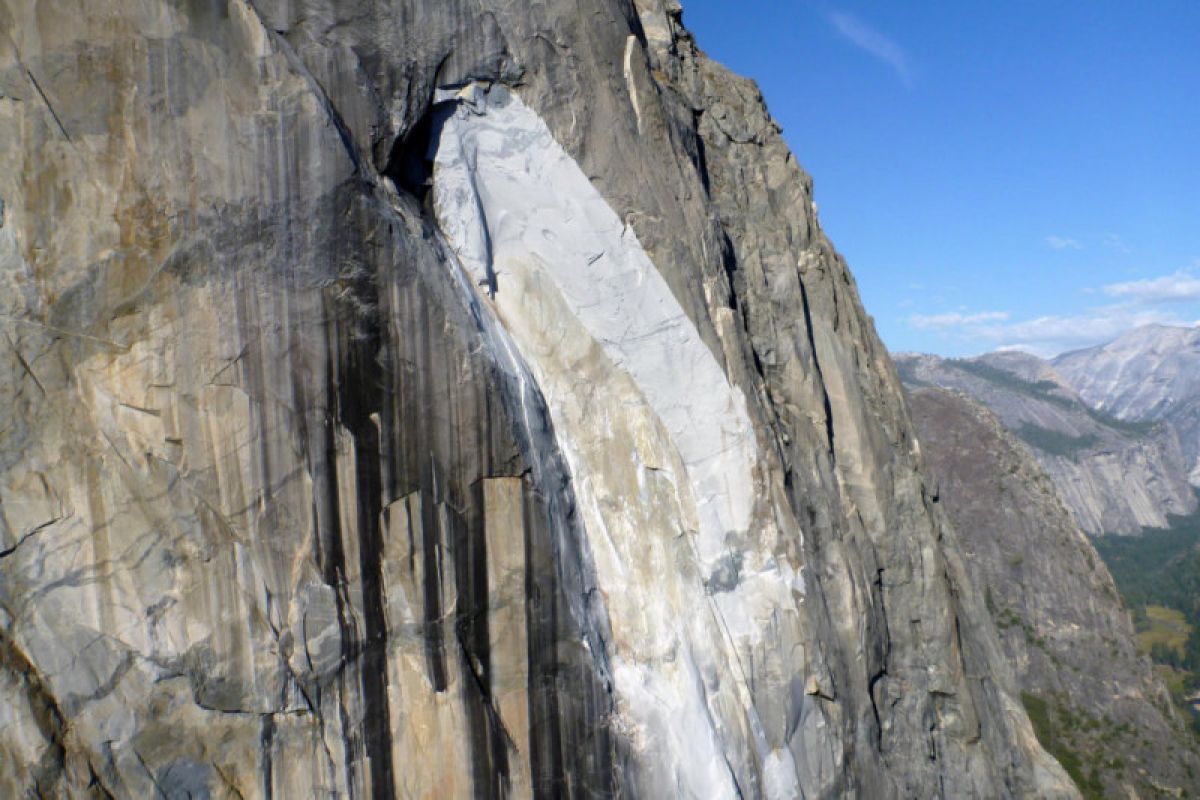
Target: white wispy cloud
{"points": [[956, 319], [1114, 242], [1046, 335], [1172, 299], [1051, 335], [1063, 243], [874, 43], [1181, 286]]}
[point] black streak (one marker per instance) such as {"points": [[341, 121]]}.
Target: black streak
{"points": [[46, 100], [359, 395]]}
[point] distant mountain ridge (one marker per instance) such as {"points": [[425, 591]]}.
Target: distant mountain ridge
{"points": [[1144, 374], [1151, 373], [1117, 475]]}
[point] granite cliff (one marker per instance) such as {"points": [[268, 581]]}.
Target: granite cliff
{"points": [[1097, 703], [408, 398]]}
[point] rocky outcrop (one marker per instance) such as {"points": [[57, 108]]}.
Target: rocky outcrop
{"points": [[452, 399], [1115, 476], [1097, 704]]}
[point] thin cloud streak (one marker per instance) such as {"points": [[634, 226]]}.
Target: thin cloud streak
{"points": [[1114, 242], [874, 43], [1063, 243], [955, 319]]}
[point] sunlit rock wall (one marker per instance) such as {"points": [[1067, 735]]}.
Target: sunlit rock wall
{"points": [[451, 399]]}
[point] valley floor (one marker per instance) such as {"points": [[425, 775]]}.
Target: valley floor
{"points": [[1158, 574]]}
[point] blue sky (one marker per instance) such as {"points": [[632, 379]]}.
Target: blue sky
{"points": [[1008, 174]]}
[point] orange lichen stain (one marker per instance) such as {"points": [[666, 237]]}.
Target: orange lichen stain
{"points": [[145, 239], [141, 214]]}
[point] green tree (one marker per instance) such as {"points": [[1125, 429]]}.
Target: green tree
{"points": [[1191, 651], [1141, 620], [1164, 654]]}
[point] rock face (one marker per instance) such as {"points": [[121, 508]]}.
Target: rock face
{"points": [[442, 399], [1149, 374], [1116, 476], [1097, 703]]}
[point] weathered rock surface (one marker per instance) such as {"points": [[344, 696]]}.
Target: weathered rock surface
{"points": [[1062, 623], [1115, 476], [291, 505]]}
